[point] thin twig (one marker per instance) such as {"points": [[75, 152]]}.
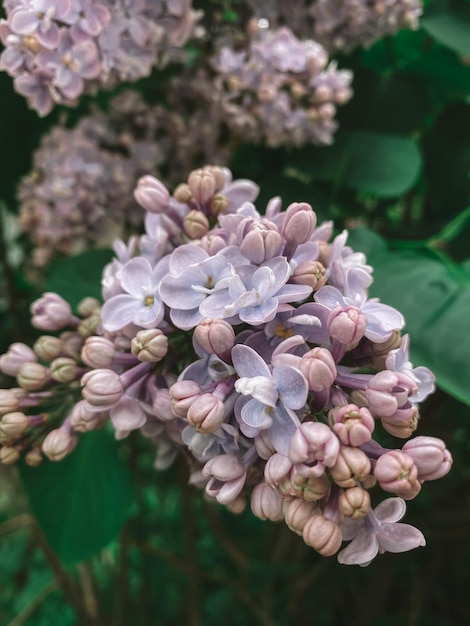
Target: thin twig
{"points": [[15, 523], [26, 613], [90, 599]]}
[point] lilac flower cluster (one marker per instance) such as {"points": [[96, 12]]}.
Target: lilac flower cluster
{"points": [[249, 342], [280, 90], [79, 192], [57, 49], [341, 25]]}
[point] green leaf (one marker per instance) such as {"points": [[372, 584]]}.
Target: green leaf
{"points": [[434, 297], [81, 502], [365, 240], [377, 163], [451, 28], [77, 277]]}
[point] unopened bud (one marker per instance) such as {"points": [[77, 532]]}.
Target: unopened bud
{"points": [[396, 472], [298, 512], [402, 429], [323, 535], [48, 347], [430, 456], [32, 376], [299, 223], [150, 345], [351, 467], [97, 352], [58, 444], [72, 344], [352, 425], [50, 312], [195, 224], [102, 388], [319, 368], [88, 306], [152, 194], [183, 393], [12, 425], [216, 336], [347, 325], [18, 354], [9, 456], [89, 326], [202, 184], [354, 502], [64, 370], [218, 205], [8, 401], [206, 413], [182, 193], [267, 503], [311, 273], [34, 457]]}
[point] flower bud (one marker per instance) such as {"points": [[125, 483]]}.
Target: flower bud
{"points": [[32, 376], [183, 393], [88, 306], [102, 388], [299, 223], [9, 456], [237, 506], [163, 406], [83, 419], [215, 336], [48, 347], [12, 426], [352, 466], [227, 477], [298, 512], [311, 489], [8, 401], [150, 345], [182, 193], [58, 444], [277, 469], [195, 224], [354, 502], [402, 429], [64, 370], [311, 273], [267, 503], [396, 472], [218, 205], [380, 351], [347, 325], [89, 326], [97, 352], [33, 458], [313, 447], [323, 535], [319, 368], [352, 425], [17, 355], [260, 244], [50, 312], [430, 455], [202, 184], [206, 413], [152, 194], [264, 445], [72, 344], [389, 391]]}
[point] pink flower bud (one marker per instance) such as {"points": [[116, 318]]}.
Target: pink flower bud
{"points": [[102, 388], [9, 456], [353, 425], [237, 506], [64, 370], [313, 448], [267, 503], [402, 429], [89, 326], [150, 345], [354, 502], [51, 312], [12, 425], [396, 472], [323, 535], [182, 193], [227, 477], [32, 376], [8, 401], [152, 194], [206, 413], [48, 347], [163, 406], [17, 355], [311, 273], [298, 512], [72, 344], [299, 223], [33, 458], [203, 184], [215, 336], [264, 445], [388, 391], [88, 306], [319, 368], [310, 489], [430, 456], [218, 205], [260, 244], [97, 352], [277, 469], [58, 444], [183, 393], [195, 224], [347, 325], [352, 466], [83, 419]]}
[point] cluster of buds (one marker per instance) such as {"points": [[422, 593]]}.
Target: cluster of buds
{"points": [[280, 90], [341, 25], [57, 49], [247, 340], [79, 192]]}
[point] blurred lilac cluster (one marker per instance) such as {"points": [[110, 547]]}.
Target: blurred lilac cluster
{"points": [[79, 192], [249, 342], [341, 25], [280, 90], [57, 49]]}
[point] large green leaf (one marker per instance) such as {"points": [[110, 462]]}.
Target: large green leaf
{"points": [[82, 502], [435, 299], [77, 277], [450, 27], [381, 164]]}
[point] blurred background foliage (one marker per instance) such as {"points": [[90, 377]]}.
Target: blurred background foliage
{"points": [[104, 539]]}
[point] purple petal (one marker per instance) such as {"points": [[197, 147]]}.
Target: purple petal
{"points": [[330, 297], [248, 363], [254, 414], [261, 314], [23, 21], [390, 510], [185, 319], [127, 415], [285, 423], [184, 256], [149, 316], [119, 311], [176, 291], [136, 276], [361, 550], [400, 537], [291, 385]]}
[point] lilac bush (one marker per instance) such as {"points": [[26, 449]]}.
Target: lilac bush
{"points": [[246, 341]]}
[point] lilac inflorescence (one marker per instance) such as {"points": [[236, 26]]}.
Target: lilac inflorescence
{"points": [[57, 49], [249, 342], [340, 25], [280, 89]]}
